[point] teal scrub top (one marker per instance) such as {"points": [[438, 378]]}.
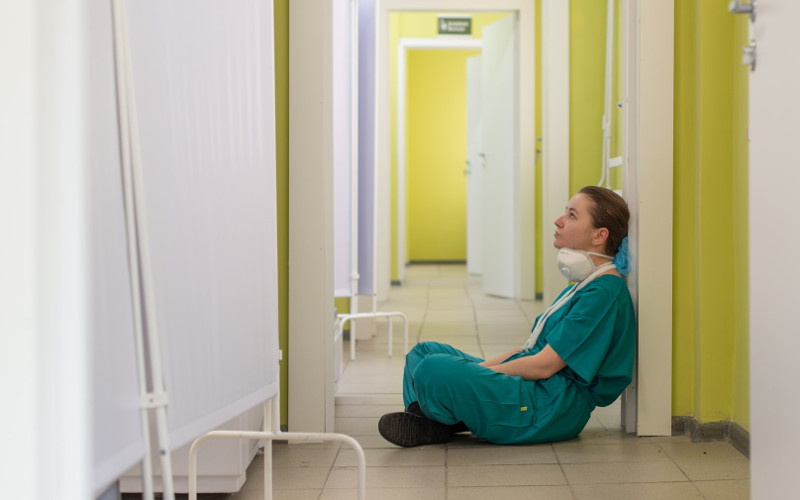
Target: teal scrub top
{"points": [[595, 334]]}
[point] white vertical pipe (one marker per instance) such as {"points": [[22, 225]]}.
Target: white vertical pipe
{"points": [[138, 231], [354, 276], [151, 318], [120, 52], [605, 180]]}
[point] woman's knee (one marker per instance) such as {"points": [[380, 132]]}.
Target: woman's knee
{"points": [[441, 369], [425, 348]]}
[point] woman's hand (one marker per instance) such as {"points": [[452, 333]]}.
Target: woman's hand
{"points": [[499, 359], [540, 366]]}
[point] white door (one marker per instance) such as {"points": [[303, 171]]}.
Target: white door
{"points": [[500, 146], [474, 169], [774, 242]]}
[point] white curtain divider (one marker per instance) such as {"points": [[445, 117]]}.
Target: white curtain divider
{"points": [[204, 91]]}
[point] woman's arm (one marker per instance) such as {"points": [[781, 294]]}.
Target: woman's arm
{"points": [[541, 365], [499, 359]]}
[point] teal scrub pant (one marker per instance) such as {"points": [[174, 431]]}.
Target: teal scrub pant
{"points": [[451, 386]]}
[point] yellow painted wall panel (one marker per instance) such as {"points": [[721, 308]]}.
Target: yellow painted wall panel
{"points": [[710, 318], [436, 150], [587, 51], [683, 218], [281, 12], [714, 228], [741, 362], [538, 223]]}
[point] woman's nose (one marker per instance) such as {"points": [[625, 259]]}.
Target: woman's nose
{"points": [[559, 222]]}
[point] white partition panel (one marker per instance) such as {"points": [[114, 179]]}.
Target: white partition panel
{"points": [[366, 149], [204, 95], [117, 442], [342, 180]]}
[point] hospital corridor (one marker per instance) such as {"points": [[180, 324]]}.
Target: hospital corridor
{"points": [[445, 304], [218, 220]]}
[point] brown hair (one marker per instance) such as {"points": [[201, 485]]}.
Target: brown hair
{"points": [[610, 211]]}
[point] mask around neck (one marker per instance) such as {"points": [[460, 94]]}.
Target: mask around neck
{"points": [[577, 265]]}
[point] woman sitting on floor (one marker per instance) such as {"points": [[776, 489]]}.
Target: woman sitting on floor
{"points": [[578, 356]]}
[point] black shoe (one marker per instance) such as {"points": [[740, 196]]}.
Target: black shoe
{"points": [[408, 429], [416, 410]]}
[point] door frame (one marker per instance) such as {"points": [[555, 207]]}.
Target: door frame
{"points": [[525, 286], [555, 133], [649, 44], [404, 45]]}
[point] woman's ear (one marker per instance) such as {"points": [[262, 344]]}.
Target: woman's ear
{"points": [[600, 237]]}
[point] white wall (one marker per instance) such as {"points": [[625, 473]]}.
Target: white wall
{"points": [[774, 243], [18, 178], [652, 217], [43, 293], [311, 310]]}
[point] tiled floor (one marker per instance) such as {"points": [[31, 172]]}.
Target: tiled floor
{"points": [[444, 303]]}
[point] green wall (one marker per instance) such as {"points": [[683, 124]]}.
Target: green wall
{"points": [[281, 12], [741, 217], [587, 50], [537, 174], [710, 304], [436, 145]]}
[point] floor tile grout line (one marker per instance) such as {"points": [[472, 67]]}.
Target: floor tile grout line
{"points": [[672, 459], [475, 321], [563, 472]]}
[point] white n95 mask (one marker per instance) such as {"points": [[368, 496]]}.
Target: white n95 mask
{"points": [[576, 265]]}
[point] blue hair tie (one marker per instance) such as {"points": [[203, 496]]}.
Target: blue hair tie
{"points": [[623, 258]]}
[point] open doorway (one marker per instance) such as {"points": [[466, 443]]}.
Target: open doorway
{"points": [[519, 240], [449, 212]]}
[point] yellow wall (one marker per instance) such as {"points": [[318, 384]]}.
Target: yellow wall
{"points": [[741, 301], [710, 321], [710, 318], [538, 167], [683, 216], [436, 187], [587, 27], [281, 12]]}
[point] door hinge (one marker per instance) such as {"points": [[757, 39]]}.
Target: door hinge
{"points": [[737, 7]]}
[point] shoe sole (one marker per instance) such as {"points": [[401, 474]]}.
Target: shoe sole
{"points": [[408, 430]]}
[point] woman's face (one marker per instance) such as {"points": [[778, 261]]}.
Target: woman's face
{"points": [[574, 229]]}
